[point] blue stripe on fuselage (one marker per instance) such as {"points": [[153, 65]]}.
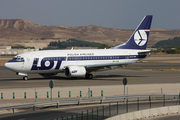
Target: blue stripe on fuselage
{"points": [[51, 60], [75, 58]]}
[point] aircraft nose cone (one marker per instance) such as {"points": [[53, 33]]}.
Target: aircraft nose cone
{"points": [[8, 65]]}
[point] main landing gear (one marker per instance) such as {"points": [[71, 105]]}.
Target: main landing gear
{"points": [[25, 78], [89, 76]]}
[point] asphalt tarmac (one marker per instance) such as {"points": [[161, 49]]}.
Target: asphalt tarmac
{"points": [[138, 73]]}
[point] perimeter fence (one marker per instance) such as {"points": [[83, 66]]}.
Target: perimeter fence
{"points": [[121, 106]]}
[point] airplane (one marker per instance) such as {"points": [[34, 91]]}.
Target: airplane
{"points": [[78, 63]]}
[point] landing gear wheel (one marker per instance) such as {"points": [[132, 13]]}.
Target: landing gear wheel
{"points": [[89, 76], [25, 78]]}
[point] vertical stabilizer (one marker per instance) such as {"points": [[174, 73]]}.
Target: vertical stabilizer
{"points": [[139, 38]]}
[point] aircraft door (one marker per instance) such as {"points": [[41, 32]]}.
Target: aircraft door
{"points": [[34, 60], [127, 55], [22, 59], [26, 63]]}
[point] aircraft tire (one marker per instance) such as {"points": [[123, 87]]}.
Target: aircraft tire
{"points": [[25, 78], [89, 76]]}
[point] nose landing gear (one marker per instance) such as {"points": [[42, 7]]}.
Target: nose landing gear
{"points": [[25, 75]]}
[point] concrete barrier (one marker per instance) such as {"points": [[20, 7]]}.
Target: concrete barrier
{"points": [[130, 115], [137, 114], [147, 113], [155, 111], [173, 110]]}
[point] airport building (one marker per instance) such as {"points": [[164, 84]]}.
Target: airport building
{"points": [[7, 50]]}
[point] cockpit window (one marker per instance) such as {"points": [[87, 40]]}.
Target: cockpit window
{"points": [[18, 58], [15, 58]]}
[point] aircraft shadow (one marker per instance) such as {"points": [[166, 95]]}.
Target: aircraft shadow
{"points": [[96, 77]]}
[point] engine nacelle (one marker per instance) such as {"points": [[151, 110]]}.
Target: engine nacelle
{"points": [[75, 71]]}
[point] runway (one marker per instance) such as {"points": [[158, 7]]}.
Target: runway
{"points": [[138, 73]]}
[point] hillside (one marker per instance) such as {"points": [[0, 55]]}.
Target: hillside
{"points": [[170, 43], [23, 32]]}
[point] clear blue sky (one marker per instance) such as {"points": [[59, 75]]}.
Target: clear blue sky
{"points": [[122, 14]]}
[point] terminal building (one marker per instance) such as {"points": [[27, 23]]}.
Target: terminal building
{"points": [[7, 50]]}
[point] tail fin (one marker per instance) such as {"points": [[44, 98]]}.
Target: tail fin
{"points": [[139, 38]]}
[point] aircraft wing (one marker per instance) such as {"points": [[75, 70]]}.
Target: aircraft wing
{"points": [[96, 67]]}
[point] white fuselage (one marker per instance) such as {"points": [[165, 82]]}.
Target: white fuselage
{"points": [[55, 61], [75, 63]]}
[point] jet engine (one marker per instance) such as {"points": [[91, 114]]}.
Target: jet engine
{"points": [[75, 71]]}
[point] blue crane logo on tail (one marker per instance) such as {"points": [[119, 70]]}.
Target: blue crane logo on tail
{"points": [[140, 37]]}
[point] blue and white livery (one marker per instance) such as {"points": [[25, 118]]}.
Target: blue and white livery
{"points": [[76, 63]]}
